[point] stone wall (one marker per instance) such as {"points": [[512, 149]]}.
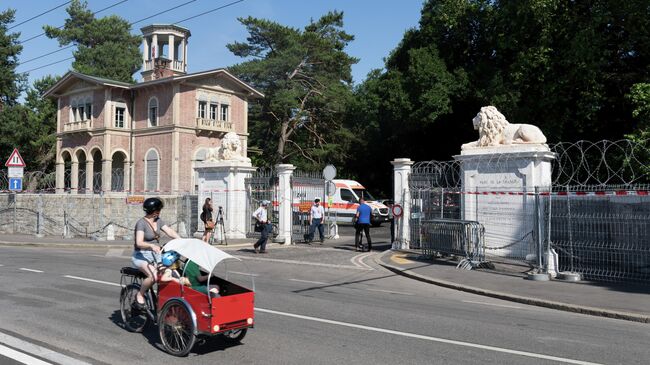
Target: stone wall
{"points": [[93, 216]]}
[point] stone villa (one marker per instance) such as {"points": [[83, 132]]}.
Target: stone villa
{"points": [[146, 137]]}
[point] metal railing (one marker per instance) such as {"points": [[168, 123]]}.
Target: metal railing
{"points": [[453, 237], [93, 216], [593, 219]]}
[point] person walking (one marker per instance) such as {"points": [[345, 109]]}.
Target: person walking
{"points": [[262, 221], [206, 217], [362, 223], [316, 220], [146, 249]]}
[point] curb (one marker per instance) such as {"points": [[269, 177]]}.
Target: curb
{"points": [[94, 245], [593, 311]]}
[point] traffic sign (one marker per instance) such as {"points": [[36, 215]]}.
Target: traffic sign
{"points": [[329, 172], [15, 172], [15, 160], [16, 183], [397, 210]]}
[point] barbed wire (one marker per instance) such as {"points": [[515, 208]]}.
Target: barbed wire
{"points": [[577, 165]]}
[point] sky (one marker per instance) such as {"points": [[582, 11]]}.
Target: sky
{"points": [[378, 27]]}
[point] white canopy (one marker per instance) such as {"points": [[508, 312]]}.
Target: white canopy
{"points": [[202, 253]]}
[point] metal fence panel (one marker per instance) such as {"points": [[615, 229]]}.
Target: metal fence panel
{"points": [[602, 237], [453, 237], [262, 185], [305, 187]]}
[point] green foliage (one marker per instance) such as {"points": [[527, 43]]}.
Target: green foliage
{"points": [[31, 128], [11, 83], [565, 66], [640, 97], [306, 78], [105, 46]]}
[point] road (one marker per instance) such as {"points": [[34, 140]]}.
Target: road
{"points": [[314, 304]]}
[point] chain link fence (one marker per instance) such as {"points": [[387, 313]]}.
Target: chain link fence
{"points": [[595, 214]]}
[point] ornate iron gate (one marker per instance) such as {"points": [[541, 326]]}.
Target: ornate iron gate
{"points": [[262, 185], [305, 187]]}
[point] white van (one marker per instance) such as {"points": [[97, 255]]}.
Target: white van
{"points": [[345, 202]]}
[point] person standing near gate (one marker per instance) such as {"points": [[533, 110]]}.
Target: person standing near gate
{"points": [[206, 217], [363, 223], [316, 219], [262, 225]]}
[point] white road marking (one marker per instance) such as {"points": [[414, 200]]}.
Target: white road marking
{"points": [[492, 304], [304, 263], [33, 349], [430, 338], [358, 260], [399, 333], [390, 291], [2, 265], [30, 270], [20, 357], [309, 281], [115, 252], [91, 280], [242, 273]]}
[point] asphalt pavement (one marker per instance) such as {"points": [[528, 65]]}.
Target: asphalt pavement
{"points": [[613, 300]]}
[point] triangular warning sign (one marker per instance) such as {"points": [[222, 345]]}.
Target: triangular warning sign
{"points": [[15, 160]]}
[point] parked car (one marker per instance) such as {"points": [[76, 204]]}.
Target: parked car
{"points": [[345, 202]]}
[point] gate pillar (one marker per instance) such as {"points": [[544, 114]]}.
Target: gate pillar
{"points": [[284, 200], [223, 182], [402, 196]]}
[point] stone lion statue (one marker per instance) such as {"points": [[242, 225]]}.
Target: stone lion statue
{"points": [[212, 155], [495, 130], [230, 150]]}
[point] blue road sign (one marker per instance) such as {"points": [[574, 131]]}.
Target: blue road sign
{"points": [[16, 183]]}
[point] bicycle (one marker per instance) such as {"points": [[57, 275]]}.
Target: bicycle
{"points": [[131, 282], [186, 316]]}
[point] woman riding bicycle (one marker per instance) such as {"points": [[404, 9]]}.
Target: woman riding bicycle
{"points": [[146, 249]]}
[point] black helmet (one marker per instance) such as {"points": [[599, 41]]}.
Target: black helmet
{"points": [[152, 204]]}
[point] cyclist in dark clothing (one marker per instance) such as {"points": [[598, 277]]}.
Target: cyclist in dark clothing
{"points": [[363, 223]]}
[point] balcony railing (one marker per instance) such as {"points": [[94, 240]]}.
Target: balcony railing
{"points": [[76, 126], [214, 125], [176, 65]]}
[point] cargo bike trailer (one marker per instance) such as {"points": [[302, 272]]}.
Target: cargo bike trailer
{"points": [[183, 314]]}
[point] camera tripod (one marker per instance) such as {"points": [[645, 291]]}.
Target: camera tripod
{"points": [[219, 225]]}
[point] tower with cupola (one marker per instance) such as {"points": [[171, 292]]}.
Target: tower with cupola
{"points": [[164, 51]]}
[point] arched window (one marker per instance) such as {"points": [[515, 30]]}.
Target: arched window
{"points": [[151, 171], [81, 109], [153, 112]]}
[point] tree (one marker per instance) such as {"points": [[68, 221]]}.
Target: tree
{"points": [[306, 78], [105, 46], [11, 83], [41, 142], [31, 127], [565, 66]]}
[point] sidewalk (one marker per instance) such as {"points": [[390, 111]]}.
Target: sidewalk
{"points": [[58, 241], [614, 300]]}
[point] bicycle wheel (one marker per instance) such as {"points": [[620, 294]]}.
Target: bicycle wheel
{"points": [[134, 321], [176, 329], [234, 336]]}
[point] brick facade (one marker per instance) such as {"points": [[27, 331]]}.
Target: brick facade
{"points": [[179, 137]]}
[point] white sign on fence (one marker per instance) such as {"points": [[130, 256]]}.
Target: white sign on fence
{"points": [[15, 171]]}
